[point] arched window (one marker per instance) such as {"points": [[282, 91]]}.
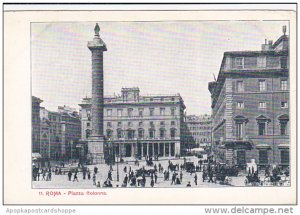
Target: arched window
{"points": [[141, 133], [173, 133], [119, 133], [162, 133], [151, 133]]}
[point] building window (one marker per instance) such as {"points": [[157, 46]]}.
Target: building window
{"points": [[263, 157], [88, 124], [283, 85], [119, 124], [285, 156], [109, 124], [284, 105], [262, 105], [141, 110], [161, 99], [173, 133], [119, 133], [162, 123], [240, 86], [250, 62], [88, 133], [130, 110], [262, 85], [151, 133], [162, 133], [129, 124], [240, 105], [109, 133], [239, 130], [273, 62], [262, 128], [162, 111], [239, 63], [172, 122], [141, 133], [151, 124], [109, 112], [120, 112], [140, 123], [173, 111], [173, 99], [283, 120], [130, 134], [151, 111]]}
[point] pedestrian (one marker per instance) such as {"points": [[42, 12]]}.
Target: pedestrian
{"points": [[98, 184], [44, 175], [89, 174], [173, 178], [189, 184], [109, 175], [152, 183], [69, 175], [195, 177], [84, 174], [110, 168], [125, 181], [49, 176], [94, 179], [95, 170], [155, 178], [125, 169], [75, 177]]}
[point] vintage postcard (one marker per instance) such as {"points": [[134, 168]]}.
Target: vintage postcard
{"points": [[150, 106]]}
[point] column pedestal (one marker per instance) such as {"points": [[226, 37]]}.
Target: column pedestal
{"points": [[96, 149]]}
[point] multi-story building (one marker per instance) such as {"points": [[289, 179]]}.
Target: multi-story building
{"points": [[139, 125], [250, 106], [199, 128], [35, 120], [60, 132]]}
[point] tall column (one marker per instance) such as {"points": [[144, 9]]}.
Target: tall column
{"points": [[96, 140], [164, 149]]}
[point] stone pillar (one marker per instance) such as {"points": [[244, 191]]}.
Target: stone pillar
{"points": [[147, 149], [96, 140], [164, 149], [158, 149]]}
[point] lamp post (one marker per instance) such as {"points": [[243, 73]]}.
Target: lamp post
{"points": [[117, 168]]}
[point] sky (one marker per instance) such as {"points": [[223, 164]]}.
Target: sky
{"points": [[158, 57]]}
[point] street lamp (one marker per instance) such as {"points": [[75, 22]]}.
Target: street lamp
{"points": [[117, 168]]}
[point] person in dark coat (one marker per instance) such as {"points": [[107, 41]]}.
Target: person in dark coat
{"points": [[69, 175], [196, 178], [89, 175], [75, 177], [152, 183], [95, 170], [189, 184], [173, 178], [155, 178]]}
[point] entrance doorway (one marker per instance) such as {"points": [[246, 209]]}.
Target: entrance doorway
{"points": [[128, 150]]}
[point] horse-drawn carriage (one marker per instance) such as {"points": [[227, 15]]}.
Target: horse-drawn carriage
{"points": [[143, 171]]}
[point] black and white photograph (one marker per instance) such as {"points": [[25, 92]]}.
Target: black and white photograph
{"points": [[150, 106], [160, 104]]}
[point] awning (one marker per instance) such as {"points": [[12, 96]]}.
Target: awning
{"points": [[263, 146], [284, 146]]}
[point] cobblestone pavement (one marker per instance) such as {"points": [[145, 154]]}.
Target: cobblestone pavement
{"points": [[61, 181]]}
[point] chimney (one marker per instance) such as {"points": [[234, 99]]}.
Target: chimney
{"points": [[267, 46], [284, 30]]}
